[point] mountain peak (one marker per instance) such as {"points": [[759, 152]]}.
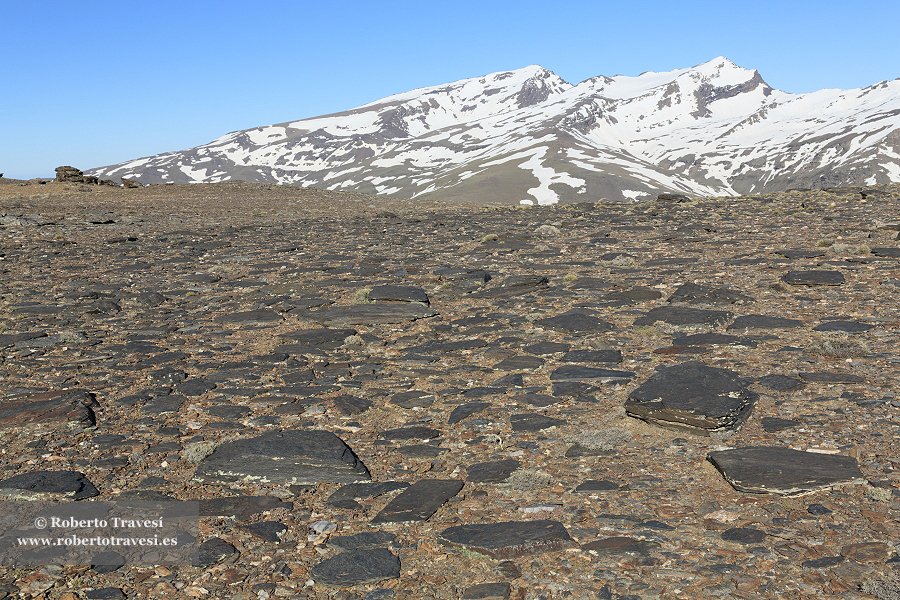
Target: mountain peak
{"points": [[527, 135]]}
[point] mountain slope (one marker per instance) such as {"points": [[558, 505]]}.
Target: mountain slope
{"points": [[528, 136]]}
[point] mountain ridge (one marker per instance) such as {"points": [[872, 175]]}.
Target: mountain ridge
{"points": [[529, 136]]}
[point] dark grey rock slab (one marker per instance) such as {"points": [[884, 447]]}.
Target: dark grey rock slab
{"points": [[533, 422], [284, 457], [54, 409], [546, 348], [417, 432], [398, 293], [413, 399], [229, 411], [811, 278], [831, 377], [419, 501], [240, 508], [519, 363], [780, 383], [269, 531], [371, 314], [495, 471], [743, 535], [105, 593], [509, 539], [48, 485], [714, 339], [576, 372], [634, 295], [487, 591], [844, 326], [465, 410], [799, 253], [367, 540], [783, 471], [692, 293], [693, 397], [575, 321], [620, 545], [763, 322], [351, 405], [684, 317], [357, 567], [822, 563], [251, 317], [215, 550], [597, 485], [592, 356], [194, 387], [345, 496], [886, 252], [162, 405]]}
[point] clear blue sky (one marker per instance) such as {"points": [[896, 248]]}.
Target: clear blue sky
{"points": [[99, 82]]}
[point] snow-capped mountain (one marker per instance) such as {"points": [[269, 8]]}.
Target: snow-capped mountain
{"points": [[528, 136]]}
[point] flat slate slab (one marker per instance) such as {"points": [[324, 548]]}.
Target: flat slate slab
{"points": [[684, 318], [713, 339], [48, 485], [464, 410], [533, 422], [783, 471], [575, 321], [357, 567], [576, 372], [618, 545], [285, 458], [811, 278], [519, 363], [417, 432], [419, 501], [509, 539], [345, 496], [61, 408], [370, 314], [413, 399], [886, 252], [692, 397], [844, 326], [494, 471], [763, 322]]}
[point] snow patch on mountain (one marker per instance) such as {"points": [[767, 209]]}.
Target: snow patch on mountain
{"points": [[715, 128]]}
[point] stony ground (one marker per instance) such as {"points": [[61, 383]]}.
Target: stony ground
{"points": [[477, 361]]}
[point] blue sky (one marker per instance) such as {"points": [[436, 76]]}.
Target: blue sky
{"points": [[97, 82]]}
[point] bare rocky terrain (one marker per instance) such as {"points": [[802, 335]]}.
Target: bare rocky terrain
{"points": [[390, 399]]}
